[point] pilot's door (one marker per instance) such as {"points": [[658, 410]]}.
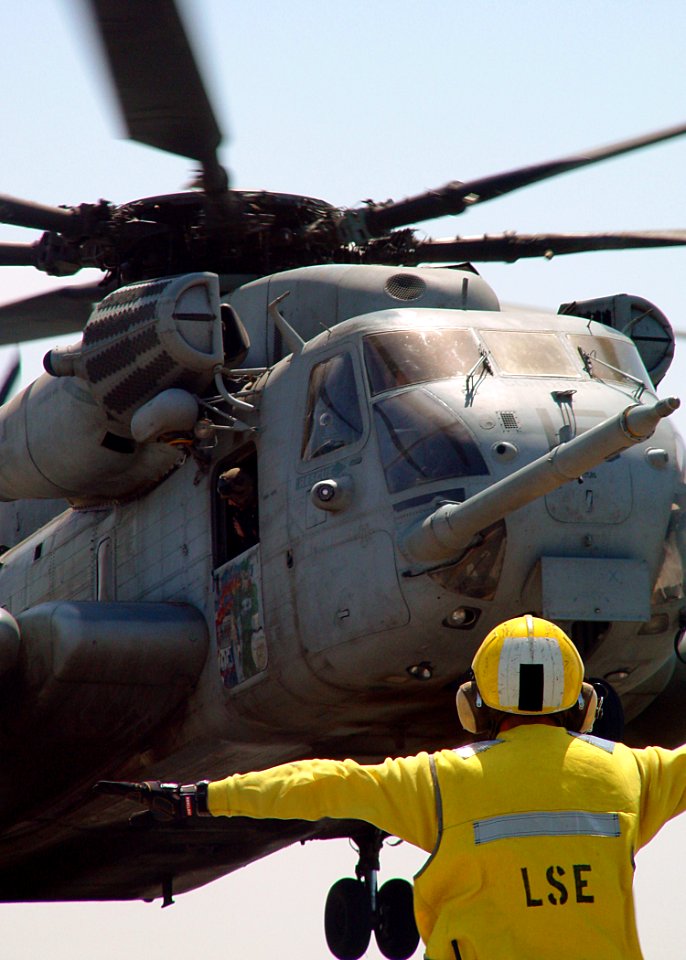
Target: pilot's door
{"points": [[346, 582]]}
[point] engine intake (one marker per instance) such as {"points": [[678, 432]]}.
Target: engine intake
{"points": [[145, 338], [69, 434]]}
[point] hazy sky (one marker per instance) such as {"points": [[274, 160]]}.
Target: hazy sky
{"points": [[348, 101]]}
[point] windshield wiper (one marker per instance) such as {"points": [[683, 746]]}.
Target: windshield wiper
{"points": [[470, 382], [589, 359]]}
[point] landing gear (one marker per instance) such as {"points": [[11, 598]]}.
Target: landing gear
{"points": [[355, 908], [348, 919], [395, 929]]}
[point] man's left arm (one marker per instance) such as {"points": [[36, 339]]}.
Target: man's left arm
{"points": [[663, 787]]}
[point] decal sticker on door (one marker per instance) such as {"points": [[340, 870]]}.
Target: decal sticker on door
{"points": [[241, 643]]}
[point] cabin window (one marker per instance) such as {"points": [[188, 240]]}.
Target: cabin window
{"points": [[333, 417], [400, 357], [105, 571], [524, 354], [421, 440]]}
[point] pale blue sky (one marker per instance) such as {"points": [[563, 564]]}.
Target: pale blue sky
{"points": [[347, 101]]}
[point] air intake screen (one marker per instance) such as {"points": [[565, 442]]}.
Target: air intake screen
{"points": [[405, 286]]}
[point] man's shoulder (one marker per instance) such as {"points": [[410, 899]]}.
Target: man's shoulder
{"points": [[473, 749], [608, 746]]}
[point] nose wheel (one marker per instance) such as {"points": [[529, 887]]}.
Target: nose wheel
{"points": [[348, 919], [394, 926], [355, 907]]}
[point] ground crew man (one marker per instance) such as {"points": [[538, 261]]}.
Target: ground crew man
{"points": [[531, 831]]}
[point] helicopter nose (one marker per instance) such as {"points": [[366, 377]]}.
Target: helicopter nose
{"points": [[451, 527]]}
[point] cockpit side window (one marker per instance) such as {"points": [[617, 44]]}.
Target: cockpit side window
{"points": [[333, 418]]}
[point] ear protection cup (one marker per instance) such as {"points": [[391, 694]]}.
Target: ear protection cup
{"points": [[474, 715], [466, 706], [590, 708], [581, 717]]}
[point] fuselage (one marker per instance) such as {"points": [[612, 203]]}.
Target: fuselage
{"points": [[337, 608], [327, 637]]}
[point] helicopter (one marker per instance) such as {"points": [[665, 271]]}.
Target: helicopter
{"points": [[261, 657]]}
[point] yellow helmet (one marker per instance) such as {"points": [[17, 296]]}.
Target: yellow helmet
{"points": [[528, 666]]}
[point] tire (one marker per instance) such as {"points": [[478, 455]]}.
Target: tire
{"points": [[348, 919], [395, 928]]}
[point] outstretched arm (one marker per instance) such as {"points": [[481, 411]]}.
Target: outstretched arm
{"points": [[397, 796], [663, 782]]}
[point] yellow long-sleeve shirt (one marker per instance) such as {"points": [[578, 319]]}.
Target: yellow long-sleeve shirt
{"points": [[531, 836]]}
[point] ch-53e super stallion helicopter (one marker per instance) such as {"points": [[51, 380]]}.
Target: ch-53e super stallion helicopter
{"points": [[426, 462]]}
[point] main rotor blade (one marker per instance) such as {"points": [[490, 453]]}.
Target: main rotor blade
{"points": [[509, 247], [18, 255], [455, 197], [161, 92], [26, 213], [65, 310], [10, 378]]}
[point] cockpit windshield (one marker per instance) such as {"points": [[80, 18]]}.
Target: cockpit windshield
{"points": [[609, 358], [422, 440], [398, 358], [530, 354]]}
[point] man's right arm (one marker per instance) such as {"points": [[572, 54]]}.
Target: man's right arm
{"points": [[397, 796]]}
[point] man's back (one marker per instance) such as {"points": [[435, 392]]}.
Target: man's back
{"points": [[532, 834], [538, 830]]}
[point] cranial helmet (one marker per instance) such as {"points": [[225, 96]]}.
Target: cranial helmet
{"points": [[526, 666], [236, 484]]}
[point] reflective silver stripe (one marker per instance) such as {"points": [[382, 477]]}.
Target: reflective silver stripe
{"points": [[559, 823], [439, 815], [438, 799], [472, 749], [607, 745]]}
